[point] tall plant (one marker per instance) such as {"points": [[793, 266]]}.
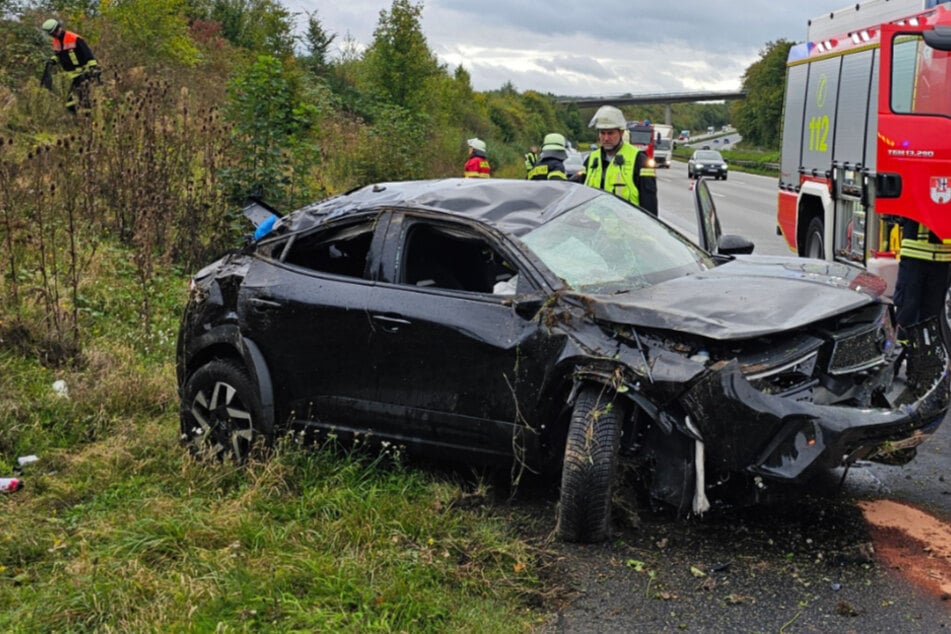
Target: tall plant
{"points": [[270, 135]]}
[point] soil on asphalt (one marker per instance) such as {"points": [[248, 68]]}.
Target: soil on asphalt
{"points": [[824, 559]]}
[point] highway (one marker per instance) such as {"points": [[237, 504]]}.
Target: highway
{"points": [[746, 205]]}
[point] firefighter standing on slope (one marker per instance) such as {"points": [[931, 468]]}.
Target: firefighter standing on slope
{"points": [[477, 165], [77, 61], [619, 167], [551, 164]]}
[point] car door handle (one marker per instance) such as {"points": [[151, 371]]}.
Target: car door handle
{"points": [[391, 323]]}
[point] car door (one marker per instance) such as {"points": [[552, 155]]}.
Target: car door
{"points": [[304, 303], [459, 362]]}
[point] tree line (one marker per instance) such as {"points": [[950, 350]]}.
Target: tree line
{"points": [[204, 102]]}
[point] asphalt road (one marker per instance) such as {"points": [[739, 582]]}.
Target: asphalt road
{"points": [[809, 561]]}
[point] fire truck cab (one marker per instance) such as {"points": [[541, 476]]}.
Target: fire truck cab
{"points": [[867, 132]]}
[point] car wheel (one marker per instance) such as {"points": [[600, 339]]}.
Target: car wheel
{"points": [[724, 177], [814, 244], [221, 411], [587, 477]]}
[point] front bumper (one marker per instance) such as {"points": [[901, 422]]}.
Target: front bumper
{"points": [[746, 430]]}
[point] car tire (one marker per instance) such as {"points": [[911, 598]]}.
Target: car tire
{"points": [[724, 177], [221, 411], [587, 477], [814, 244]]}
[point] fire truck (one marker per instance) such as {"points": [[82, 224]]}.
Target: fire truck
{"points": [[641, 135], [867, 132]]}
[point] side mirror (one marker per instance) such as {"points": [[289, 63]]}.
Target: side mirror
{"points": [[730, 244], [938, 38]]}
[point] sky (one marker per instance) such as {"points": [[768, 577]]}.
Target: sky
{"points": [[594, 48]]}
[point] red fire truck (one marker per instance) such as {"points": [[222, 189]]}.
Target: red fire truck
{"points": [[642, 136], [867, 132]]}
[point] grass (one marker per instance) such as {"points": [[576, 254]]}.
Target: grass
{"points": [[740, 159], [119, 529]]}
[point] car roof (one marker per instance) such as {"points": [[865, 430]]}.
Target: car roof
{"points": [[707, 154], [513, 206]]}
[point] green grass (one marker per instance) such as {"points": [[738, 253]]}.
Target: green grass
{"points": [[119, 529], [740, 159]]}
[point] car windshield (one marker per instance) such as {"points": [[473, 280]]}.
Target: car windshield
{"points": [[707, 155], [608, 246]]}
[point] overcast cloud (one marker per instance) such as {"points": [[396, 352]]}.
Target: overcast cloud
{"points": [[588, 48]]}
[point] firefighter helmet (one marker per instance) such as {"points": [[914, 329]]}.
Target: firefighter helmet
{"points": [[476, 144], [50, 25], [554, 141], [608, 118]]}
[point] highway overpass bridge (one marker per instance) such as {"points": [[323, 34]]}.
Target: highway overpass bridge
{"points": [[665, 98]]}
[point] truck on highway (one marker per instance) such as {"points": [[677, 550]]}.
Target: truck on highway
{"points": [[867, 132], [641, 135], [663, 144]]}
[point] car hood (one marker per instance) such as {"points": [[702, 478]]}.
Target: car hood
{"points": [[747, 297]]}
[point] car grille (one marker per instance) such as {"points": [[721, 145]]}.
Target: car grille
{"points": [[857, 349]]}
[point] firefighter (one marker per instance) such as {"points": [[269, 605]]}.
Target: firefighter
{"points": [[531, 158], [619, 167], [922, 275], [551, 164], [477, 165], [75, 57]]}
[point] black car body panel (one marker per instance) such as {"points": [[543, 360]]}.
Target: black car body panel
{"points": [[462, 316]]}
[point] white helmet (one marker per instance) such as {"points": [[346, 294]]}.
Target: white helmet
{"points": [[476, 144], [608, 118]]}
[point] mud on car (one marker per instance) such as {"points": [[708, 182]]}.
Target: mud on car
{"points": [[556, 325]]}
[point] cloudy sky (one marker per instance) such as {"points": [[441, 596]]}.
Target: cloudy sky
{"points": [[586, 48]]}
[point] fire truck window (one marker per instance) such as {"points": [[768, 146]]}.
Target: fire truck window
{"points": [[920, 78]]}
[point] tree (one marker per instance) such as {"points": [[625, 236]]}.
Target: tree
{"points": [[270, 135], [317, 41], [262, 26], [398, 64], [152, 29], [758, 118]]}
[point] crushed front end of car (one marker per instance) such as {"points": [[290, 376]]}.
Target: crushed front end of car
{"points": [[728, 419]]}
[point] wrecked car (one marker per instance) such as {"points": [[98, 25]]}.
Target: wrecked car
{"points": [[559, 327]]}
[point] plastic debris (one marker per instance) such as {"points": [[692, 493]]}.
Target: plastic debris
{"points": [[9, 485], [25, 460], [60, 388]]}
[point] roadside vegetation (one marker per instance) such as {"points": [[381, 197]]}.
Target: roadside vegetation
{"points": [[103, 217]]}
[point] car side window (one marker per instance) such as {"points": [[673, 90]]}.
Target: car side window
{"points": [[340, 250], [454, 259]]}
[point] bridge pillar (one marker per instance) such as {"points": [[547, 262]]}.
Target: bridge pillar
{"points": [[667, 113]]}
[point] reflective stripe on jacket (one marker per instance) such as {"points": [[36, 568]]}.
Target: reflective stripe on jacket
{"points": [[617, 179], [919, 243], [72, 52], [477, 167]]}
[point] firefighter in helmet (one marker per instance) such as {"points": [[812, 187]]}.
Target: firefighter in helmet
{"points": [[477, 165], [617, 166], [74, 56], [551, 163]]}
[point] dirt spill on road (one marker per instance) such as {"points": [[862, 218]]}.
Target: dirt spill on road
{"points": [[913, 542]]}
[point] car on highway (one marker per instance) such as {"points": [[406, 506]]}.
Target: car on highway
{"points": [[574, 163], [554, 327], [707, 162]]}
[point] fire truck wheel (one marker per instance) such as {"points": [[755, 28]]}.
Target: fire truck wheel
{"points": [[814, 242], [946, 318]]}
